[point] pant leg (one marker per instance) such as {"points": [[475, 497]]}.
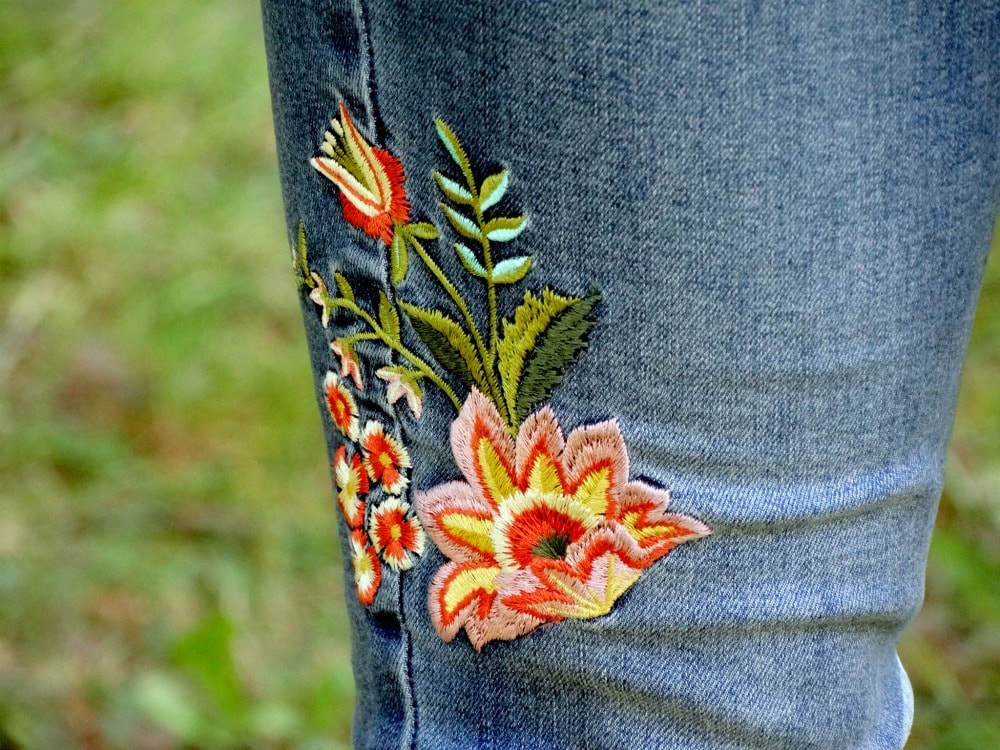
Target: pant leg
{"points": [[637, 330]]}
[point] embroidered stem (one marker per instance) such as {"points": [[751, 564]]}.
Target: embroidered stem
{"points": [[397, 346], [487, 355], [491, 287]]}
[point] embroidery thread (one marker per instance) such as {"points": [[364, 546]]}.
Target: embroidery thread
{"points": [[545, 526]]}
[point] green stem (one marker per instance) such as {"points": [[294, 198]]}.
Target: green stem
{"points": [[491, 298], [477, 337], [397, 346], [356, 337]]}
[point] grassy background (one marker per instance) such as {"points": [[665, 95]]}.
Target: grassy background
{"points": [[167, 566]]}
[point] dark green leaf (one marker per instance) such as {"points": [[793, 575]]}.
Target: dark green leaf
{"points": [[556, 348], [449, 343]]}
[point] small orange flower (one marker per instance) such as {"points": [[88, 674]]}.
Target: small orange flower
{"points": [[367, 569], [384, 458], [352, 483], [370, 179], [397, 538], [342, 406]]}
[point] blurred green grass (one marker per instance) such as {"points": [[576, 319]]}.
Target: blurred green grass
{"points": [[168, 571]]}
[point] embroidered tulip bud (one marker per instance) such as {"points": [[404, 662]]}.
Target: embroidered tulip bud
{"points": [[370, 179]]}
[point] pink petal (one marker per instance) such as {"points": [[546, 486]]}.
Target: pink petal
{"points": [[452, 497], [540, 433]]}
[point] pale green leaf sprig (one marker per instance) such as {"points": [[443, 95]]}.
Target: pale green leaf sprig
{"points": [[516, 362], [519, 362]]}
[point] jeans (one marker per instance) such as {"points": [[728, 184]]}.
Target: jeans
{"points": [[636, 330]]}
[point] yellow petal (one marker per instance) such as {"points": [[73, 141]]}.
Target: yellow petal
{"points": [[593, 490], [472, 530], [544, 476], [492, 471], [465, 584]]}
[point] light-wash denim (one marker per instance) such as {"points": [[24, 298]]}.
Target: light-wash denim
{"points": [[787, 208]]}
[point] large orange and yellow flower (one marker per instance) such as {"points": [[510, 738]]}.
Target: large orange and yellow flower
{"points": [[543, 528], [369, 179]]}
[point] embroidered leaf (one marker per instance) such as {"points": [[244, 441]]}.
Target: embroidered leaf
{"points": [[450, 141], [511, 270], [398, 259], [520, 334], [538, 344], [462, 223], [492, 190], [344, 287], [301, 260], [424, 230], [504, 229], [556, 348], [452, 189], [448, 342], [388, 317], [470, 261]]}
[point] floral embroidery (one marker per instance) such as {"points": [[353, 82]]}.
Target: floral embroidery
{"points": [[367, 569], [396, 537], [349, 366], [384, 458], [352, 485], [545, 526], [342, 406], [370, 179], [399, 384]]}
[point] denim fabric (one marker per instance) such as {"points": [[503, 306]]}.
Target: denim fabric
{"points": [[787, 209]]}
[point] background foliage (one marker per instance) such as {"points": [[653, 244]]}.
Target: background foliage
{"points": [[168, 572]]}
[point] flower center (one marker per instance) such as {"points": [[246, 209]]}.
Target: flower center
{"points": [[385, 459], [552, 547], [535, 525], [396, 532]]}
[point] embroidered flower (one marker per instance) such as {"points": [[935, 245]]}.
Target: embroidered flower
{"points": [[341, 405], [349, 366], [384, 458], [370, 179], [543, 529], [321, 296], [399, 385], [352, 483], [397, 538], [367, 568]]}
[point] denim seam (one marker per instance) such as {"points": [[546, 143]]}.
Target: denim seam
{"points": [[408, 735]]}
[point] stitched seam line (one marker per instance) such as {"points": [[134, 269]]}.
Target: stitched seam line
{"points": [[409, 734]]}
